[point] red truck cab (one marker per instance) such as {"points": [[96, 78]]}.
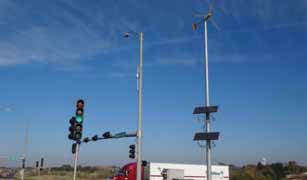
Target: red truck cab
{"points": [[128, 172]]}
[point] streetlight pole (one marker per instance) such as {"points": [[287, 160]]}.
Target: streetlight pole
{"points": [[139, 133], [139, 127]]}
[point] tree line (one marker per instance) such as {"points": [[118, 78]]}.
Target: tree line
{"points": [[275, 171]]}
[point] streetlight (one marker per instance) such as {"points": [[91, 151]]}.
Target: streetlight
{"points": [[139, 35]]}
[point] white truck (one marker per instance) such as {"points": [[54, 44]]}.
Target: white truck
{"points": [[172, 171]]}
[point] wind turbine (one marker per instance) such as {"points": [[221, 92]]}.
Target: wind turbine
{"points": [[208, 136]]}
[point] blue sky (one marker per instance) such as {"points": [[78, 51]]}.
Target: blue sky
{"points": [[54, 52]]}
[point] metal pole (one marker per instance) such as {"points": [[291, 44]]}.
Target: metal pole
{"points": [[208, 147], [22, 171], [25, 150], [139, 128], [76, 161]]}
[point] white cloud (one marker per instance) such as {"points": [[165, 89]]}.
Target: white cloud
{"points": [[177, 61], [58, 35], [263, 11], [5, 108], [121, 75]]}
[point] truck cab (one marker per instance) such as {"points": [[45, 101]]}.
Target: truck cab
{"points": [[128, 172]]}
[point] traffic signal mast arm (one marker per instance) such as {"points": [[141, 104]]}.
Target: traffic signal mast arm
{"points": [[108, 135]]}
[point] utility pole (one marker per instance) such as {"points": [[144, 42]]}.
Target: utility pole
{"points": [[139, 128]]}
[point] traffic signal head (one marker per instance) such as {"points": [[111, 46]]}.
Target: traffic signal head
{"points": [[86, 140], [132, 151], [42, 163], [76, 123], [23, 163], [95, 138], [79, 119], [72, 128], [144, 163], [107, 135], [79, 111], [74, 148], [78, 131]]}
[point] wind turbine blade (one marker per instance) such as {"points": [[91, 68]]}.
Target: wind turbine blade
{"points": [[210, 5], [215, 24]]}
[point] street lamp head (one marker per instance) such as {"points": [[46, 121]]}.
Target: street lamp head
{"points": [[126, 35], [194, 26]]}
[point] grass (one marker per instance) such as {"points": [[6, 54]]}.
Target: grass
{"points": [[66, 177], [98, 174]]}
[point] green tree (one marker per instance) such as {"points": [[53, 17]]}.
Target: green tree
{"points": [[279, 170]]}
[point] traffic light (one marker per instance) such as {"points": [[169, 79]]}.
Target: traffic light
{"points": [[107, 135], [74, 148], [95, 138], [132, 151], [79, 119], [23, 163], [86, 140], [42, 164], [72, 129], [78, 131], [79, 111]]}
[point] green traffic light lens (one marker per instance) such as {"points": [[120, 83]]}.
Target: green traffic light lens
{"points": [[79, 119]]}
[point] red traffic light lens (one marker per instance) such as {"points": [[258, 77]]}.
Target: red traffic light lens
{"points": [[80, 104]]}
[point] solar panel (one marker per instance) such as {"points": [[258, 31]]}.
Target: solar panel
{"points": [[206, 136], [205, 109]]}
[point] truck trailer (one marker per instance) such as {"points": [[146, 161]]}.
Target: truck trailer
{"points": [[172, 171]]}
